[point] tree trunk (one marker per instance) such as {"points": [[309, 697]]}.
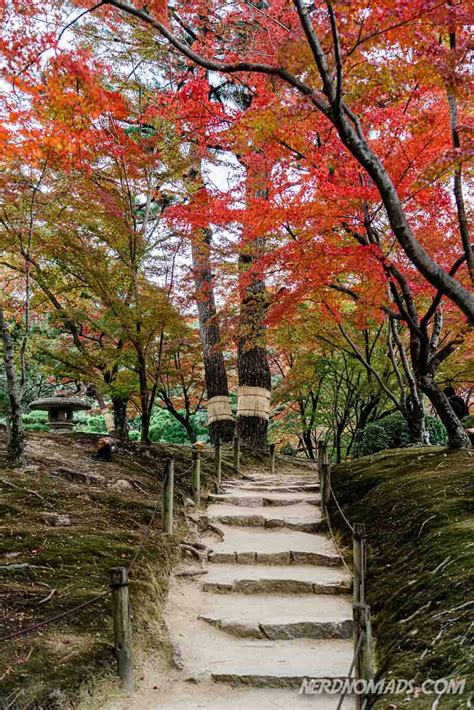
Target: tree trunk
{"points": [[415, 417], [457, 437], [214, 365], [252, 363], [120, 417], [338, 443], [16, 442], [145, 409], [308, 443], [145, 427]]}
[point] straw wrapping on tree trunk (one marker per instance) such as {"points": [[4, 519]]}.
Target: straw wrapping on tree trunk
{"points": [[218, 409], [253, 402]]}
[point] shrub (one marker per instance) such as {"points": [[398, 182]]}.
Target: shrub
{"points": [[437, 430], [392, 432], [35, 417], [36, 426], [90, 424], [165, 428]]}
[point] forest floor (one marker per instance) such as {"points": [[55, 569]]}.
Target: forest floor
{"points": [[418, 508], [65, 521]]}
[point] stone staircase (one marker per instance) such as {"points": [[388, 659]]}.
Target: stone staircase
{"points": [[272, 608]]}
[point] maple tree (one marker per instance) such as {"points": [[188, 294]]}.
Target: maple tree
{"points": [[328, 58], [343, 129]]}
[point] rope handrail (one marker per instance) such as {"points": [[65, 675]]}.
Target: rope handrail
{"points": [[223, 461], [146, 535], [338, 548], [344, 517], [349, 675], [56, 617]]}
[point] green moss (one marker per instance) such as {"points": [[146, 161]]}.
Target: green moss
{"points": [[47, 668], [417, 505]]}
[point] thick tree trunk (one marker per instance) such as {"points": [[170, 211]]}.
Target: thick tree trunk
{"points": [[214, 365], [145, 428], [16, 442], [415, 416], [457, 437], [120, 417], [252, 362]]}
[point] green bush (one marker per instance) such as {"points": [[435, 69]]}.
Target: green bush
{"points": [[35, 417], [35, 426], [90, 423], [468, 422], [437, 430], [392, 432], [164, 428]]}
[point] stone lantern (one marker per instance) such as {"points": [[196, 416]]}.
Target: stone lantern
{"points": [[60, 410]]}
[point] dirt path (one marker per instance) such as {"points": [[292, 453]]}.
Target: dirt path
{"points": [[271, 609]]}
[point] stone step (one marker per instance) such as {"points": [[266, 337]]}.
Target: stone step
{"points": [[254, 545], [277, 579], [205, 652], [267, 480], [279, 618], [299, 516], [251, 499], [273, 488], [207, 695]]}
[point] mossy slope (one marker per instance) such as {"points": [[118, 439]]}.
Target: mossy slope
{"points": [[71, 563], [417, 505]]}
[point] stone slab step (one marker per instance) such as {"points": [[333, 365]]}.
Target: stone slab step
{"points": [[277, 579], [277, 617], [206, 695], [267, 480], [206, 652], [254, 545], [300, 516], [273, 488], [251, 499]]}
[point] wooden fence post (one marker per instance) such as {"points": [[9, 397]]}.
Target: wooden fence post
{"points": [[218, 462], [364, 669], [237, 453], [360, 562], [122, 626], [168, 495], [272, 458], [323, 464], [327, 484], [319, 455], [196, 476]]}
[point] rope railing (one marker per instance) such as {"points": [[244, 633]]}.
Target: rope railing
{"points": [[341, 555], [344, 517], [351, 670], [362, 661], [52, 619]]}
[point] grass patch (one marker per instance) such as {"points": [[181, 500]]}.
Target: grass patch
{"points": [[418, 507]]}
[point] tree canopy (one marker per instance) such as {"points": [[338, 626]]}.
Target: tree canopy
{"points": [[270, 195]]}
